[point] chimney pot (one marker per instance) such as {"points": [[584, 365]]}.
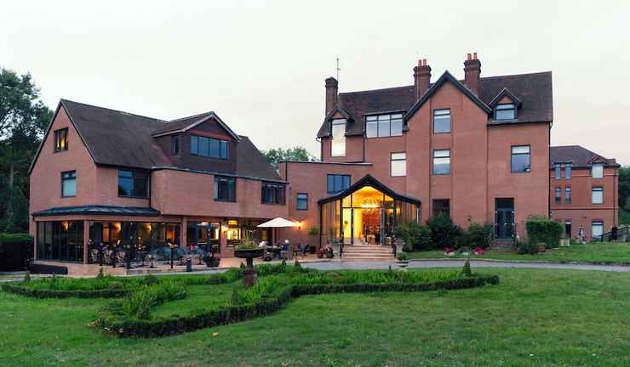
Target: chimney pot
{"points": [[332, 89], [422, 78], [472, 70]]}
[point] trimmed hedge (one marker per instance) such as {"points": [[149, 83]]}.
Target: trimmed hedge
{"points": [[54, 293], [543, 230], [15, 248], [232, 314]]}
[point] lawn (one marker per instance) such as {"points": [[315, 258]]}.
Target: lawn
{"points": [[532, 318], [607, 253]]}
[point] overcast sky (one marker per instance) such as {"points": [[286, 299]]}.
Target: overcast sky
{"points": [[261, 65]]}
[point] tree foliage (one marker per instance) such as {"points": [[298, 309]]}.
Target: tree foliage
{"points": [[276, 155], [23, 120], [624, 195]]}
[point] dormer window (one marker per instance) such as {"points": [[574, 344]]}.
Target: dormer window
{"points": [[505, 112], [384, 125], [338, 132]]}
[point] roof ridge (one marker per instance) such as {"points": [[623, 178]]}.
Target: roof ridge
{"points": [[63, 100], [377, 90], [514, 75], [191, 116]]}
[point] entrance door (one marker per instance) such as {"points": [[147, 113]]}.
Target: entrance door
{"points": [[504, 218]]}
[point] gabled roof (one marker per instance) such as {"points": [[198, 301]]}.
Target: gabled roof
{"points": [[447, 77], [504, 93], [578, 156], [115, 137], [186, 123], [534, 90], [341, 111], [369, 180], [251, 163], [358, 104], [121, 139]]}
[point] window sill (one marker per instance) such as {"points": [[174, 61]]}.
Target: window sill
{"points": [[133, 197], [68, 196], [273, 203], [441, 132], [224, 201]]}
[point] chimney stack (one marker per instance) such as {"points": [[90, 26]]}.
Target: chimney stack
{"points": [[332, 89], [422, 78], [472, 70]]}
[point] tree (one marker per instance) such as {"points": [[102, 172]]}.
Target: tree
{"points": [[624, 194], [23, 120], [277, 155]]}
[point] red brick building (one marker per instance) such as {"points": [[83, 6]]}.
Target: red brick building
{"points": [[477, 149], [583, 189], [133, 183]]}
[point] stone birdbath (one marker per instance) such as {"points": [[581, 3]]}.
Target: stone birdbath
{"points": [[248, 252]]}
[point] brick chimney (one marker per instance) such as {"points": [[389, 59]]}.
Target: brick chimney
{"points": [[422, 78], [472, 70], [332, 89]]}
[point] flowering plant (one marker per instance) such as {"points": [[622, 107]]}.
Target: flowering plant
{"points": [[479, 251], [449, 251]]}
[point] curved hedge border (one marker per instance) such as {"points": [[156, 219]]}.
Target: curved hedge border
{"points": [[54, 293], [232, 314]]}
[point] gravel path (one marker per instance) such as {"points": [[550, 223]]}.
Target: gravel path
{"points": [[336, 265]]}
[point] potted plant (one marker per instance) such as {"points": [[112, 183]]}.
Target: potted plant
{"points": [[212, 260], [248, 250], [403, 260]]}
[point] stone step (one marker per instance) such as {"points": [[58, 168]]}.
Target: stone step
{"points": [[349, 258], [363, 254], [366, 249]]}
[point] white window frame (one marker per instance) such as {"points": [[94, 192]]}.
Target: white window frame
{"points": [[441, 114], [597, 170], [338, 138], [398, 164], [441, 154]]}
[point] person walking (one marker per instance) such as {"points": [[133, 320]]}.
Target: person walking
{"points": [[582, 235]]}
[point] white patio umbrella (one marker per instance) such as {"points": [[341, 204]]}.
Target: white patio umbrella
{"points": [[278, 222]]}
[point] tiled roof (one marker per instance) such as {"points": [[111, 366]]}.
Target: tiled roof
{"points": [[98, 210], [578, 156], [118, 138], [533, 90], [115, 137]]}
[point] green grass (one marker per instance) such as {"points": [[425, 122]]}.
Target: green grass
{"points": [[199, 297], [589, 253], [532, 318]]}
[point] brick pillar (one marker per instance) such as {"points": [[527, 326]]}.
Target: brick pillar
{"points": [[86, 240], [183, 241]]}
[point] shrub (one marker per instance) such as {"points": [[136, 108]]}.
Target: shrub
{"points": [[15, 249], [443, 231], [402, 256], [115, 285], [151, 279], [466, 271], [416, 237], [255, 304], [477, 235], [543, 229]]}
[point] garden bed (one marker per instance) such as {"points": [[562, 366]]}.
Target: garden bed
{"points": [[277, 286]]}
